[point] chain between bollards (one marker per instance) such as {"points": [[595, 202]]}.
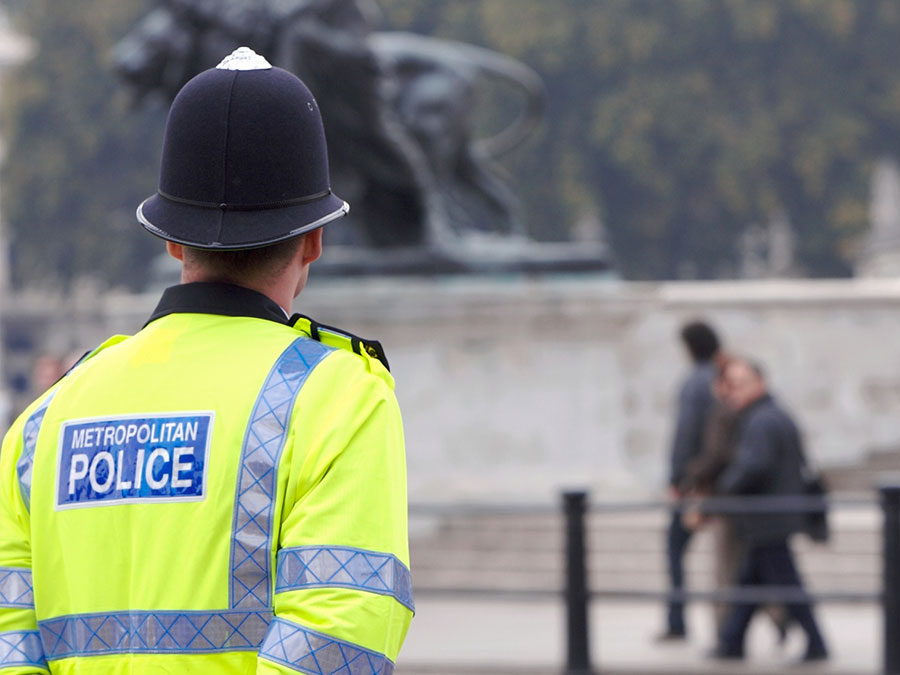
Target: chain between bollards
{"points": [[578, 658]]}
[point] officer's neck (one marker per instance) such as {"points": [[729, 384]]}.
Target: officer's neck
{"points": [[282, 290], [282, 287]]}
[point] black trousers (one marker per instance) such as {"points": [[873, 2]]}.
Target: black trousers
{"points": [[676, 546], [770, 564]]}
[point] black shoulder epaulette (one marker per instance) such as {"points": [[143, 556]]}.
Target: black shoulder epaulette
{"points": [[335, 337]]}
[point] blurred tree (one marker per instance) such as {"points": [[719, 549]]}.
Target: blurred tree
{"points": [[685, 123], [679, 124], [79, 156]]}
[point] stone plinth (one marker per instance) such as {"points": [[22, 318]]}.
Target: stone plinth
{"points": [[514, 387]]}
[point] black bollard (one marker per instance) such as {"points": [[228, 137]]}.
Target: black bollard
{"points": [[578, 660], [890, 504]]}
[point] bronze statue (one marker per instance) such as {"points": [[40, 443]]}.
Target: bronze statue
{"points": [[397, 109]]}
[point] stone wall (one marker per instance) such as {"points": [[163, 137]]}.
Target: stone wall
{"points": [[512, 388]]}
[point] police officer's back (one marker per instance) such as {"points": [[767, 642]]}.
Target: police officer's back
{"points": [[223, 492]]}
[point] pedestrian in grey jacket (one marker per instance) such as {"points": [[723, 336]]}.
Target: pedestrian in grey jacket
{"points": [[695, 401]]}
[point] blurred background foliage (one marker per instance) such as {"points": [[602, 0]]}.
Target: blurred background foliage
{"points": [[676, 125], [79, 155]]}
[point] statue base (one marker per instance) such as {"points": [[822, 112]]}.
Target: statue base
{"points": [[506, 258]]}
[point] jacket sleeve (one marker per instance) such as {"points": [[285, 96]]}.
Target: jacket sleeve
{"points": [[20, 646], [716, 453], [754, 459], [343, 593], [693, 407]]}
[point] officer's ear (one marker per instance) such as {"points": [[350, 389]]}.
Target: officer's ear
{"points": [[311, 247], [175, 250]]}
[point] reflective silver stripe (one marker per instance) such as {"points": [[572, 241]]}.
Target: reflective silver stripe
{"points": [[16, 590], [216, 246], [343, 566], [307, 651], [153, 632], [21, 648], [251, 549], [29, 443]]}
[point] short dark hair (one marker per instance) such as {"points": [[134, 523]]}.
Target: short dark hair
{"points": [[700, 339], [243, 265]]}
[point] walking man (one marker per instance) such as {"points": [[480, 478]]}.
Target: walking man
{"points": [[768, 461], [695, 401]]}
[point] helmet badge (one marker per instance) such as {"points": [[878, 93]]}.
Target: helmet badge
{"points": [[244, 58]]}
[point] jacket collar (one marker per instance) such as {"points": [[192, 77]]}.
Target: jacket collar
{"points": [[217, 298], [761, 401]]}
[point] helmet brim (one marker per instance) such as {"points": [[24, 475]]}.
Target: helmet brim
{"points": [[227, 229]]}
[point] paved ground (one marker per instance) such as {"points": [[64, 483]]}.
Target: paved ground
{"points": [[472, 637]]}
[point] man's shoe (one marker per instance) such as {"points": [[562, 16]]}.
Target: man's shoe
{"points": [[813, 654], [671, 636], [782, 629], [721, 653]]}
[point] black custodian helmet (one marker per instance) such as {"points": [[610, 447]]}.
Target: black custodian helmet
{"points": [[244, 160]]}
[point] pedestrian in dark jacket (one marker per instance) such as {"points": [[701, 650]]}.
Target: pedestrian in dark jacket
{"points": [[768, 461], [694, 404], [719, 444]]}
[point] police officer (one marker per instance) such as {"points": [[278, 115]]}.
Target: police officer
{"points": [[225, 491]]}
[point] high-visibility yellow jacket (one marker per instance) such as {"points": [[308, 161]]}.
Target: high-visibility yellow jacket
{"points": [[223, 492]]}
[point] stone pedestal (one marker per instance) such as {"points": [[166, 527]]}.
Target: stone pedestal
{"points": [[514, 387]]}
